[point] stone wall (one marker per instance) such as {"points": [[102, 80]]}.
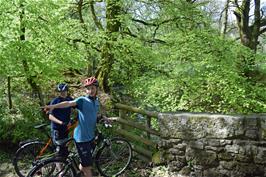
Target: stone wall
{"points": [[213, 145]]}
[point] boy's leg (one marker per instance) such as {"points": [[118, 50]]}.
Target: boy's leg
{"points": [[84, 151], [86, 170], [59, 136]]}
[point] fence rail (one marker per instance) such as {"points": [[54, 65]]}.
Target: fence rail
{"points": [[150, 146]]}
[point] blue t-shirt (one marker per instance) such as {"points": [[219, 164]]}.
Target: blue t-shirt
{"points": [[62, 114], [88, 108]]}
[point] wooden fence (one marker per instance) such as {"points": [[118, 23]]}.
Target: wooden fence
{"points": [[144, 144]]}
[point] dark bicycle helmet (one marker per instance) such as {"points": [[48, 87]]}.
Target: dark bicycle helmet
{"points": [[62, 87], [91, 81]]}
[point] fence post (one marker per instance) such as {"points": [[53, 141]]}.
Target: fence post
{"points": [[148, 124], [122, 115]]}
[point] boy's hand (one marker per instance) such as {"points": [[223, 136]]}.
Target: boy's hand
{"points": [[48, 108], [106, 120], [65, 124]]}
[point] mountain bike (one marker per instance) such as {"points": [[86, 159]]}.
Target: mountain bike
{"points": [[111, 157], [29, 152]]}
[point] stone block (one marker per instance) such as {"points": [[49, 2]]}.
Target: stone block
{"points": [[176, 151], [180, 146], [252, 134], [214, 142], [215, 149], [196, 144], [260, 157], [195, 126], [224, 142], [201, 157], [228, 165], [226, 156], [263, 128], [232, 148]]}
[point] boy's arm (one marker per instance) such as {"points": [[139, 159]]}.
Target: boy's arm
{"points": [[64, 104], [54, 119]]}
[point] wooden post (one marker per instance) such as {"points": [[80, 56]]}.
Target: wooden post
{"points": [[122, 115], [148, 124], [9, 92]]}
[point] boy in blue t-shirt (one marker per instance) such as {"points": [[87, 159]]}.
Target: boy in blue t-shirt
{"points": [[88, 108], [60, 118]]}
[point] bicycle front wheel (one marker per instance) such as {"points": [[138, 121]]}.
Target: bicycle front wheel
{"points": [[53, 168], [114, 157], [25, 156]]}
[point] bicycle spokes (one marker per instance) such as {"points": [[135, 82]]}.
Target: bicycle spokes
{"points": [[114, 157]]}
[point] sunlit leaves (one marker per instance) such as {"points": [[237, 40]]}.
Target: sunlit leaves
{"points": [[46, 47]]}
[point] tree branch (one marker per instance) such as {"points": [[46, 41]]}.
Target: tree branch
{"points": [[191, 1], [262, 30], [80, 2], [84, 42], [155, 24], [144, 23], [145, 40], [94, 17], [263, 22]]}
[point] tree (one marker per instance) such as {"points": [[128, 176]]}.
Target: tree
{"points": [[225, 20], [30, 78], [34, 44], [250, 26], [113, 11]]}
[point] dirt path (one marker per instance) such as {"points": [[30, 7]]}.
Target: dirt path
{"points": [[136, 168], [6, 167], [7, 170]]}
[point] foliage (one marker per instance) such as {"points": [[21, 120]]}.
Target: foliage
{"points": [[167, 57], [199, 72], [21, 121], [46, 47]]}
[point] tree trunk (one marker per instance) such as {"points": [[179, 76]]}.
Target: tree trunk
{"points": [[113, 10], [30, 79], [249, 33], [256, 26], [225, 18], [91, 61]]}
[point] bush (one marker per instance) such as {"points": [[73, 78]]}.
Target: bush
{"points": [[17, 124]]}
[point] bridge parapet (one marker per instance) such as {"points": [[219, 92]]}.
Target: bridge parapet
{"points": [[214, 145]]}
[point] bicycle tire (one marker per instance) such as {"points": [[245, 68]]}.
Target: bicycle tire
{"points": [[49, 168], [25, 156], [114, 157]]}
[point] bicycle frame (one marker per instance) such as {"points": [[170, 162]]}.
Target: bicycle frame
{"points": [[50, 142], [72, 159]]}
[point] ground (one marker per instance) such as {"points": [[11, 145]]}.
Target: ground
{"points": [[6, 167], [136, 169]]}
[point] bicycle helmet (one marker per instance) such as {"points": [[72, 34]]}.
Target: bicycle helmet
{"points": [[91, 81], [62, 87]]}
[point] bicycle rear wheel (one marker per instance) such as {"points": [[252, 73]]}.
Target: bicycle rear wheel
{"points": [[53, 168], [114, 157], [25, 156]]}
